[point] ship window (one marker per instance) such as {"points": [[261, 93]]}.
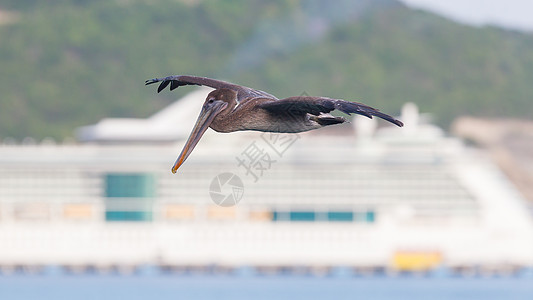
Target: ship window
{"points": [[119, 185], [128, 215], [280, 216], [129, 196], [302, 216], [370, 216], [340, 216]]}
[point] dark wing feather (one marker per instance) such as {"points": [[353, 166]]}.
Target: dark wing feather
{"points": [[317, 105], [243, 92]]}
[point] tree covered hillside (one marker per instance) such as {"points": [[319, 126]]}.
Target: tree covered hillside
{"points": [[69, 63]]}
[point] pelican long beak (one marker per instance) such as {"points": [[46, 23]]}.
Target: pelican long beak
{"points": [[205, 118]]}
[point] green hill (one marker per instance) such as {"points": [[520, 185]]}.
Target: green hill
{"points": [[69, 63]]}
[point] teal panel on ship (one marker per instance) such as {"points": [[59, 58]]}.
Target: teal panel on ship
{"points": [[129, 196], [128, 185]]}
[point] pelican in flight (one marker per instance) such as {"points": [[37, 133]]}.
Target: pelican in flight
{"points": [[231, 107]]}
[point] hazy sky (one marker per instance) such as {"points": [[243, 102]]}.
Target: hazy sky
{"points": [[516, 14]]}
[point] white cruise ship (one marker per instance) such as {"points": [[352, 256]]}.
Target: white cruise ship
{"points": [[357, 195]]}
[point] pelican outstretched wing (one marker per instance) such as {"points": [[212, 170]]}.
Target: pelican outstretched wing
{"points": [[176, 81], [318, 105]]}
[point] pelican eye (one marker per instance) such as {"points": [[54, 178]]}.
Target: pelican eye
{"points": [[210, 101]]}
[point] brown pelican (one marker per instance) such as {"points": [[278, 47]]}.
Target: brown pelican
{"points": [[231, 107]]}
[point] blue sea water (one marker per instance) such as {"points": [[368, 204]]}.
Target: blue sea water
{"points": [[204, 286]]}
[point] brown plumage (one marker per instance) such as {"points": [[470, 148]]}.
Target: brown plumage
{"points": [[232, 107]]}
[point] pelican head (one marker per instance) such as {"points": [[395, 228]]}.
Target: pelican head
{"points": [[217, 104]]}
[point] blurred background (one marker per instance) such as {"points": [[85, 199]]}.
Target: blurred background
{"points": [[440, 208]]}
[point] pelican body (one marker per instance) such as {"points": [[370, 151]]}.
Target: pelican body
{"points": [[232, 107]]}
